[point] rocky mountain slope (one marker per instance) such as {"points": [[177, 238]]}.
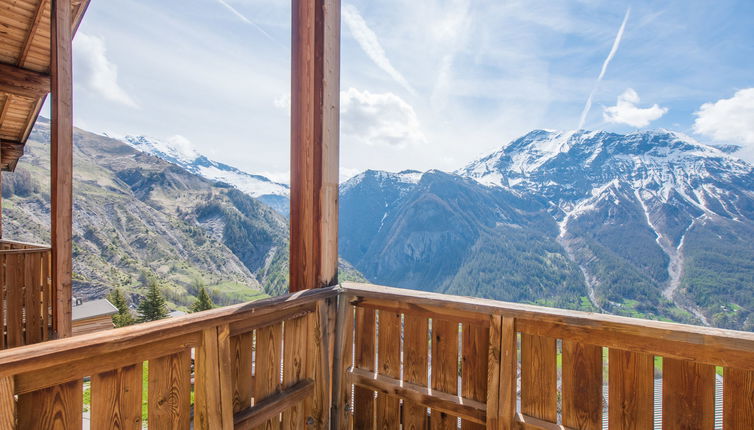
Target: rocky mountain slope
{"points": [[137, 216], [649, 223], [181, 154]]}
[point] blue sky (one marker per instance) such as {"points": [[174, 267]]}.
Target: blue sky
{"points": [[425, 83]]}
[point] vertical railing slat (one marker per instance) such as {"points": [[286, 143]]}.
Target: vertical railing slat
{"points": [[295, 356], [688, 395], [13, 299], [388, 363], [116, 399], [363, 412], [241, 351], [169, 392], [213, 386], [3, 299], [268, 357], [474, 361], [7, 403], [56, 408], [738, 399], [539, 377], [34, 297], [416, 356], [508, 373], [444, 368], [630, 391], [582, 386], [342, 416]]}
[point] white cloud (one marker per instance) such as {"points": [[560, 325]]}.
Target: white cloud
{"points": [[283, 102], [347, 173], [182, 147], [368, 41], [246, 20], [728, 120], [96, 72], [627, 112], [379, 119]]}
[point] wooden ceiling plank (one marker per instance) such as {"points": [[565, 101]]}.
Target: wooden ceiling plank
{"points": [[22, 82], [32, 32]]}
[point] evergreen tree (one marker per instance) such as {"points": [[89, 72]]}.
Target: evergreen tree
{"points": [[153, 307], [124, 316], [203, 301]]}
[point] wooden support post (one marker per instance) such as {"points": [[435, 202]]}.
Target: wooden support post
{"points": [[61, 160], [315, 110]]}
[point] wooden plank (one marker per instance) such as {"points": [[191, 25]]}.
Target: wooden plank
{"points": [[444, 369], [294, 367], [494, 373], [416, 359], [47, 300], [38, 13], [13, 299], [525, 422], [267, 379], [213, 389], [447, 403], [169, 392], [321, 327], [7, 404], [249, 325], [61, 160], [631, 388], [582, 386], [434, 312], [387, 407], [273, 405], [241, 350], [539, 377], [23, 82], [474, 365], [738, 399], [3, 289], [703, 344], [33, 297], [116, 399], [60, 352], [315, 66], [363, 399], [688, 395], [508, 373], [343, 360], [55, 408]]}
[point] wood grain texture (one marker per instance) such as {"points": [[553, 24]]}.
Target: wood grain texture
{"points": [[23, 82], [7, 404], [273, 405], [508, 373], [444, 369], [631, 390], [582, 386], [474, 363], [61, 161], [688, 395], [438, 401], [268, 356], [341, 412], [539, 377], [363, 399], [13, 300], [213, 389], [169, 392], [494, 373], [56, 408], [3, 288], [387, 407], [315, 71], [294, 367], [416, 359], [116, 399], [738, 399], [242, 356]]}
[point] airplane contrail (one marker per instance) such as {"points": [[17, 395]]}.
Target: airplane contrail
{"points": [[243, 18], [613, 50]]}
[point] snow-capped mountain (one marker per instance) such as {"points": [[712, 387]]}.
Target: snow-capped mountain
{"points": [[184, 155], [656, 223]]}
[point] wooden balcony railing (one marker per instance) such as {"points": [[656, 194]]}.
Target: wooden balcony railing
{"points": [[27, 302], [433, 360], [382, 358]]}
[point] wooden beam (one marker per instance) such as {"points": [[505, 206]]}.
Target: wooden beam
{"points": [[273, 405], [10, 152], [315, 110], [23, 82], [32, 32], [61, 159]]}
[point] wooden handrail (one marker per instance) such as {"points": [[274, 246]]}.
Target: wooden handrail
{"points": [[56, 352], [26, 244]]}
